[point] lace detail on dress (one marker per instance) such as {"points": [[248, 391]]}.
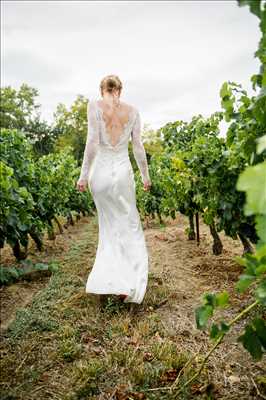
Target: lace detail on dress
{"points": [[139, 150], [118, 133], [92, 141]]}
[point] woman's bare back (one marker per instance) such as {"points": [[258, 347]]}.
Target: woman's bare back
{"points": [[115, 119]]}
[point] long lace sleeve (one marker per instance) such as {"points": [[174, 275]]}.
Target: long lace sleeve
{"points": [[92, 142], [139, 150]]}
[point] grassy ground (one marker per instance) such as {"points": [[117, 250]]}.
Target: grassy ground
{"points": [[59, 343]]}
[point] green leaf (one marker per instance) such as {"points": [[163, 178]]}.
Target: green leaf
{"points": [[203, 313], [253, 181], [4, 276], [222, 299], [261, 269], [53, 267], [14, 272], [261, 292], [241, 260], [41, 266], [244, 282], [251, 342], [261, 144], [214, 333], [217, 331], [260, 326], [224, 91], [210, 299], [261, 251], [224, 327], [261, 227]]}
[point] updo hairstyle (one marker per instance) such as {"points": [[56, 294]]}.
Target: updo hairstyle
{"points": [[111, 83]]}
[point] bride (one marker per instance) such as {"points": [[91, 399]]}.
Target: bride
{"points": [[121, 261]]}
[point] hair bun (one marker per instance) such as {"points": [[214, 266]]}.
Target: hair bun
{"points": [[109, 83]]}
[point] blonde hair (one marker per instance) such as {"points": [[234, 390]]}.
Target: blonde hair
{"points": [[110, 83]]}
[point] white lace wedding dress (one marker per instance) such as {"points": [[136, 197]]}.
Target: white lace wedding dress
{"points": [[121, 262]]}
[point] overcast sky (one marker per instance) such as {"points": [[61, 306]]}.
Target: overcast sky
{"points": [[172, 57]]}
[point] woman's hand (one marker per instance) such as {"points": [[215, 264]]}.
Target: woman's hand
{"points": [[81, 186], [147, 185]]}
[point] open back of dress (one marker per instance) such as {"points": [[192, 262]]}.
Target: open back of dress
{"points": [[116, 120]]}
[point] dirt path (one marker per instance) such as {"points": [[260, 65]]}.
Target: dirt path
{"points": [[62, 346]]}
